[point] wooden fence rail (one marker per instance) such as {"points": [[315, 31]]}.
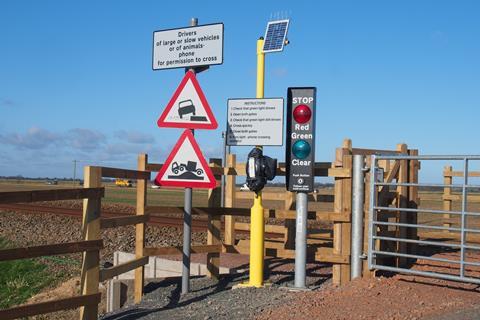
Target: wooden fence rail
{"points": [[448, 197], [50, 250], [89, 300], [50, 195]]}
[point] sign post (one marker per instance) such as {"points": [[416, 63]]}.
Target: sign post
{"points": [[187, 219], [193, 48], [300, 161]]}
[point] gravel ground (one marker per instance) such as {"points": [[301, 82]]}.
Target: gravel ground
{"points": [[210, 299], [398, 297]]}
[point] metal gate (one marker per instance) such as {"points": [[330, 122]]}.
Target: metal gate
{"points": [[456, 256]]}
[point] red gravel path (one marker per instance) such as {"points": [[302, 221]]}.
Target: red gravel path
{"points": [[399, 297]]}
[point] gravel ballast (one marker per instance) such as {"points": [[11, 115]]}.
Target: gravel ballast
{"points": [[208, 299]]}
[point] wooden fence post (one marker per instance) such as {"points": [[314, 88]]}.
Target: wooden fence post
{"points": [[447, 192], [230, 201], [140, 229], [214, 226], [91, 231], [289, 237], [342, 204]]}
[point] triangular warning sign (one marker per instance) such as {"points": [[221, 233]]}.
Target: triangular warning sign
{"points": [[188, 107], [186, 166]]}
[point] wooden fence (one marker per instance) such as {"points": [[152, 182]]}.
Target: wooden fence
{"points": [[324, 245], [332, 246], [449, 198], [92, 224], [90, 247]]}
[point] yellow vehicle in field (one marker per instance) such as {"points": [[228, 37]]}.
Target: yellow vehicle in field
{"points": [[123, 183]]}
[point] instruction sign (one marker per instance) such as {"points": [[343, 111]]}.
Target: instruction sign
{"points": [[188, 107], [186, 166], [252, 122], [188, 47]]}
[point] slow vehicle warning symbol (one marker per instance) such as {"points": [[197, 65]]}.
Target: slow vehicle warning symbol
{"points": [[186, 166], [188, 108]]}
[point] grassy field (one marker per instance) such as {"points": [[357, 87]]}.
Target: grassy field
{"points": [[21, 279]]}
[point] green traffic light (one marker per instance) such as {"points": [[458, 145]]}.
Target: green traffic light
{"points": [[301, 149]]}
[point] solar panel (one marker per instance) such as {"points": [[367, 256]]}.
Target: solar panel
{"points": [[275, 36]]}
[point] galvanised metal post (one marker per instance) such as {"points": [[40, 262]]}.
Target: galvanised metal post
{"points": [[371, 214], [301, 241], [187, 219], [358, 198], [463, 218], [226, 151]]}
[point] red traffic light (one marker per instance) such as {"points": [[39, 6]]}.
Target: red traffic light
{"points": [[302, 113]]}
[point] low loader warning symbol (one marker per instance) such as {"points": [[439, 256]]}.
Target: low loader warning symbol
{"points": [[186, 166], [191, 171], [188, 107]]}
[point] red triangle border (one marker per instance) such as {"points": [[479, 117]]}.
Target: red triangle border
{"points": [[189, 75], [187, 134]]}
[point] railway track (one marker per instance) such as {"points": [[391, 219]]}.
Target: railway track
{"points": [[197, 224]]}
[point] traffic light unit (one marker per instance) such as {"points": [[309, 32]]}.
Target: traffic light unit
{"points": [[300, 144]]}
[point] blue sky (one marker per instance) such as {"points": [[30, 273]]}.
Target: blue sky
{"points": [[76, 79]]}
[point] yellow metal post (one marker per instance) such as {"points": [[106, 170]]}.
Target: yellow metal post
{"points": [[260, 68], [257, 228]]}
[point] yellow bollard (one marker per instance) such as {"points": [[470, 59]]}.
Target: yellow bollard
{"points": [[257, 221], [257, 229]]}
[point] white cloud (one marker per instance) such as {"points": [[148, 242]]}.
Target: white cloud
{"points": [[85, 139], [35, 138], [134, 137]]}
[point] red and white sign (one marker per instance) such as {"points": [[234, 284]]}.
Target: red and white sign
{"points": [[186, 166], [188, 107]]}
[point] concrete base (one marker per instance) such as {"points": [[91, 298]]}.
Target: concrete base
{"points": [[164, 268]]}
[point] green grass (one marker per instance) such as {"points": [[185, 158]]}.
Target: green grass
{"points": [[21, 279]]}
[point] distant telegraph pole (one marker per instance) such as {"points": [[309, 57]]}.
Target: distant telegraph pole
{"points": [[74, 171]]}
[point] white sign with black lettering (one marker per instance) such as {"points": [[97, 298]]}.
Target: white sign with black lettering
{"points": [[188, 47], [255, 122]]}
